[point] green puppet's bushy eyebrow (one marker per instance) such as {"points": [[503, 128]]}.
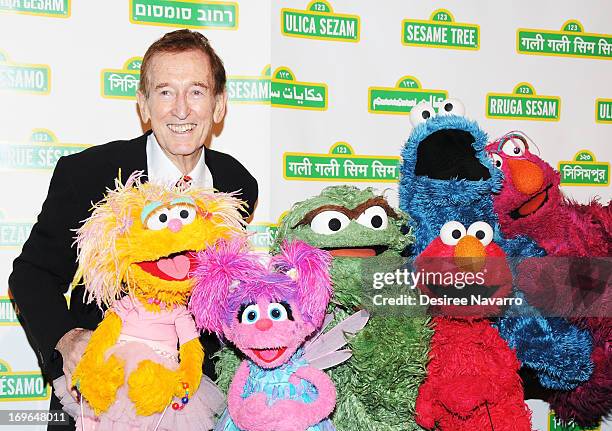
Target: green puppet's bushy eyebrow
{"points": [[350, 213]]}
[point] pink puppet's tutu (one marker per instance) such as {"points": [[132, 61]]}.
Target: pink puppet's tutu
{"points": [[198, 414]]}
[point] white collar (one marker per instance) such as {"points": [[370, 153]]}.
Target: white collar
{"points": [[160, 168]]}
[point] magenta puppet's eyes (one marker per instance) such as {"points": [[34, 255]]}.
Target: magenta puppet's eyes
{"points": [[249, 314], [279, 311]]}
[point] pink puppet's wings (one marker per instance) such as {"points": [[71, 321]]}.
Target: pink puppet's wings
{"points": [[322, 351]]}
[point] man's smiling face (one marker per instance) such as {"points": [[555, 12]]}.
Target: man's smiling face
{"points": [[181, 103]]}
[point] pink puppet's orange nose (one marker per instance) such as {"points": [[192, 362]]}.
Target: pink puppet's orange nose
{"points": [[263, 324], [526, 176]]}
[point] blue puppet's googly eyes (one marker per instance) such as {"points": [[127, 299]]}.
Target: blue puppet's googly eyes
{"points": [[277, 312], [421, 113], [250, 314], [451, 107]]}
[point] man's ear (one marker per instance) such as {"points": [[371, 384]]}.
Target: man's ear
{"points": [[143, 107], [220, 105]]}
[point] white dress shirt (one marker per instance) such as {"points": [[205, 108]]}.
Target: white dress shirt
{"points": [[161, 170]]}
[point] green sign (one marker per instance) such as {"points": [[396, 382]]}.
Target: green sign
{"points": [[340, 164], [121, 83], [185, 13], [584, 170], [14, 234], [523, 104], [286, 92], [319, 21], [21, 386], [440, 31], [603, 111], [555, 424], [249, 89], [24, 78], [40, 153], [52, 8], [400, 99], [262, 235], [8, 317], [571, 41]]}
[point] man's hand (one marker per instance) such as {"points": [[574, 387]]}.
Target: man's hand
{"points": [[72, 346]]}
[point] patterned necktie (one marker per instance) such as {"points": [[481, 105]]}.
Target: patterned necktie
{"points": [[184, 182]]}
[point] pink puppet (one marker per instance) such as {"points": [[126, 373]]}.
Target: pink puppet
{"points": [[531, 203], [573, 280], [268, 311]]}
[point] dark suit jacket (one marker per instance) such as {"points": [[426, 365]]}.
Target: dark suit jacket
{"points": [[42, 273]]}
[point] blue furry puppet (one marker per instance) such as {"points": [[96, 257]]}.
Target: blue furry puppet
{"points": [[447, 175]]}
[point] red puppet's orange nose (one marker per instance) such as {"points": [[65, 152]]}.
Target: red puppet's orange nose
{"points": [[470, 254], [526, 176]]}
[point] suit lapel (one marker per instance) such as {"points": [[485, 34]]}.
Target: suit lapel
{"points": [[217, 177], [133, 157]]}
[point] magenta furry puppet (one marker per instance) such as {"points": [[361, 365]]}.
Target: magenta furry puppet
{"points": [[573, 280], [268, 310]]}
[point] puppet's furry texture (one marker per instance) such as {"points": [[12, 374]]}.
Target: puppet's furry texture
{"points": [[369, 396], [113, 235], [267, 310], [567, 366], [531, 203], [446, 174], [135, 257], [472, 380], [432, 201], [98, 377], [591, 401]]}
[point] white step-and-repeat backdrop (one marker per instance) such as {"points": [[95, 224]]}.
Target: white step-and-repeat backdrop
{"points": [[312, 86]]}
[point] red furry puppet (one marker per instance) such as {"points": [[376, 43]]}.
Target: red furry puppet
{"points": [[472, 381], [573, 280]]}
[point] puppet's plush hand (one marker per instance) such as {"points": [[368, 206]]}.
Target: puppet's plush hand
{"points": [[98, 380], [292, 416], [253, 413], [425, 415], [463, 394], [190, 369], [298, 416], [151, 387]]}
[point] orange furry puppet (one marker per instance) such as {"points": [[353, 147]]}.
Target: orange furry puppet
{"points": [[136, 255]]}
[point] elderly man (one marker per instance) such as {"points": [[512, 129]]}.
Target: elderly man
{"points": [[182, 95]]}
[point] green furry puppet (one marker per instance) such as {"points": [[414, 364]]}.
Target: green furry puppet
{"points": [[377, 387]]}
